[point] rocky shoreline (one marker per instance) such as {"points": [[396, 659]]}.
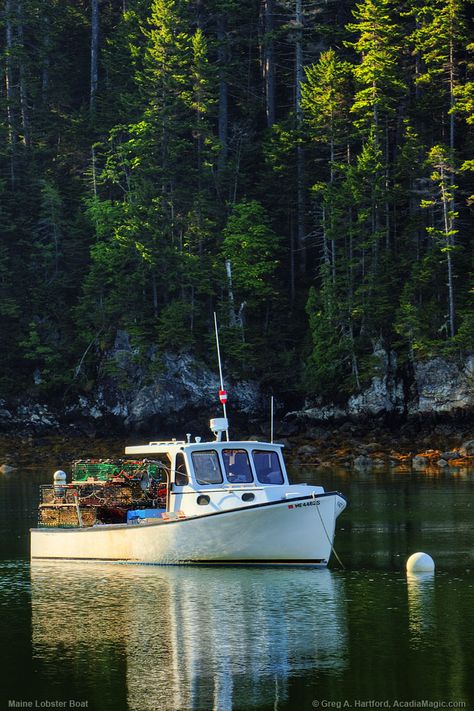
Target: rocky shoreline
{"points": [[372, 447], [443, 447], [162, 392], [424, 420]]}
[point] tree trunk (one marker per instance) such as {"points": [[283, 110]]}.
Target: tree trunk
{"points": [[331, 181], [448, 228], [269, 73], [452, 315], [451, 94], [94, 171], [292, 267], [325, 237], [232, 316], [25, 122], [94, 54], [387, 187], [154, 289], [46, 61], [10, 94], [300, 158], [223, 118]]}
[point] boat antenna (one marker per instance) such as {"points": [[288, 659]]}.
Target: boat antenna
{"points": [[222, 392], [271, 419]]}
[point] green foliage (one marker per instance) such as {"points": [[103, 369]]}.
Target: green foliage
{"points": [[327, 369], [440, 26], [378, 77], [326, 97], [173, 327], [464, 101], [124, 216], [252, 247]]}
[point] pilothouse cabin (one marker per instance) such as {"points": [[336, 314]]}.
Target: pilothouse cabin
{"points": [[213, 476]]}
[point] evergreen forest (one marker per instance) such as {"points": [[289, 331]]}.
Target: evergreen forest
{"points": [[302, 167]]}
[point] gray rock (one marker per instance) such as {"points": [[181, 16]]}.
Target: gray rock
{"points": [[419, 462], [380, 397], [320, 413], [373, 447], [5, 415], [439, 386], [443, 386], [307, 451], [180, 383], [36, 414], [450, 455], [442, 463], [347, 427], [318, 433], [467, 448], [444, 430], [6, 469], [287, 428], [361, 462]]}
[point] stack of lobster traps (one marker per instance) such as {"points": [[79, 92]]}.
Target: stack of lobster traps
{"points": [[102, 491]]}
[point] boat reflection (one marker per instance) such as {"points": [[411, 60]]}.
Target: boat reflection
{"points": [[189, 638]]}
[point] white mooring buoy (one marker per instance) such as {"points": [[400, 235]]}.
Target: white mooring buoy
{"points": [[420, 563]]}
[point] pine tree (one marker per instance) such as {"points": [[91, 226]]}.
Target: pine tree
{"points": [[378, 74], [438, 38], [441, 160]]}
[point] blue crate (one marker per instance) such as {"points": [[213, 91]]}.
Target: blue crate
{"points": [[137, 514]]}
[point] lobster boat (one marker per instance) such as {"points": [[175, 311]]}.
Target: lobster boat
{"points": [[188, 502]]}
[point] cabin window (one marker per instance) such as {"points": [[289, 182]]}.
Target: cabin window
{"points": [[180, 472], [207, 467], [267, 466], [237, 466]]}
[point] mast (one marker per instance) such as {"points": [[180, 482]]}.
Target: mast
{"points": [[222, 392]]}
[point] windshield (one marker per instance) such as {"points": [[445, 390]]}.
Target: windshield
{"points": [[267, 466], [207, 467], [237, 466]]}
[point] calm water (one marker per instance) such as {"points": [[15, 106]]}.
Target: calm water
{"points": [[145, 638]]}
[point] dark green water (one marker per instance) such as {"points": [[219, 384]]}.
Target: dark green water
{"points": [[137, 637]]}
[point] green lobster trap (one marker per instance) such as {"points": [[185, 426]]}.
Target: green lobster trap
{"points": [[107, 470]]}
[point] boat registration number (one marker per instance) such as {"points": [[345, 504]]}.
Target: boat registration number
{"points": [[303, 503]]}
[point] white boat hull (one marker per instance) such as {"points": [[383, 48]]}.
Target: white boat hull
{"points": [[296, 531]]}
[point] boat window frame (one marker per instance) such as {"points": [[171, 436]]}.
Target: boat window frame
{"points": [[275, 453], [249, 462], [175, 472], [218, 460]]}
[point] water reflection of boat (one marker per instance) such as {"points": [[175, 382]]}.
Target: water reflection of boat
{"points": [[190, 638]]}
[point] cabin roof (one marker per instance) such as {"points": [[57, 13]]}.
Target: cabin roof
{"points": [[174, 446]]}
